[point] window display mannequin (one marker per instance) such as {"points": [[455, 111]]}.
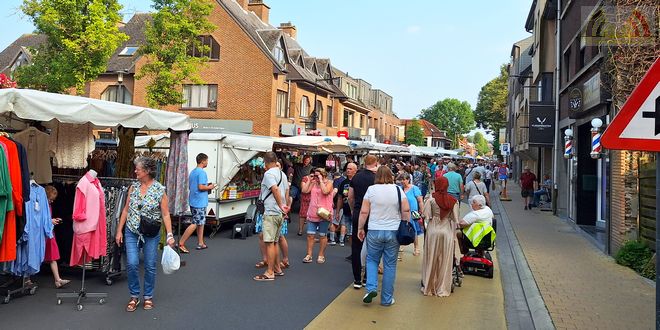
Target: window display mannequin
{"points": [[89, 220]]}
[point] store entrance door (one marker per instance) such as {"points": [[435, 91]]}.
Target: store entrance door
{"points": [[587, 179]]}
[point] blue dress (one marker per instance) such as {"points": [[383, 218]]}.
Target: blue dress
{"points": [[412, 195]]}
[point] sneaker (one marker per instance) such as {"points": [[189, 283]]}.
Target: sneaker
{"points": [[341, 243], [369, 297], [390, 304], [333, 243], [357, 285]]}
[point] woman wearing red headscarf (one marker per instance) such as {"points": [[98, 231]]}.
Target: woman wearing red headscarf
{"points": [[441, 211]]}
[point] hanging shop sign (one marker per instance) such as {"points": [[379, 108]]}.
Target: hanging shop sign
{"points": [[575, 99], [541, 124], [585, 97]]}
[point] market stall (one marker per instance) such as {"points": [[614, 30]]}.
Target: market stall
{"points": [[63, 126]]}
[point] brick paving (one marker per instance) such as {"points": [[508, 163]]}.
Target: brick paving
{"points": [[581, 287]]}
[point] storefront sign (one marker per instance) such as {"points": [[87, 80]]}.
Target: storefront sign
{"points": [[541, 124], [343, 134], [219, 126], [575, 99]]}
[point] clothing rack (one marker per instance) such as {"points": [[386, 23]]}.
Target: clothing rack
{"points": [[82, 293], [27, 287]]}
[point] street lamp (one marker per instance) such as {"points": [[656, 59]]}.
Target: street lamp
{"points": [[313, 117]]}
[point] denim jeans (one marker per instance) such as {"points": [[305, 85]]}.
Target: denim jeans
{"points": [[150, 248], [382, 243]]}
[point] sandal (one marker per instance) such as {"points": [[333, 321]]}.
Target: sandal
{"points": [[61, 283], [148, 304], [183, 249], [416, 253], [320, 260], [132, 304], [307, 259], [263, 277], [284, 264], [201, 247], [279, 273], [261, 264]]}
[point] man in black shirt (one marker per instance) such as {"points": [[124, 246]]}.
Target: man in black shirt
{"points": [[342, 202], [362, 180]]}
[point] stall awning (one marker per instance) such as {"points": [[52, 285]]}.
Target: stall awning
{"points": [[43, 106], [323, 144]]}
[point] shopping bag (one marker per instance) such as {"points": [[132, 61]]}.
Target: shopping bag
{"points": [[170, 261]]}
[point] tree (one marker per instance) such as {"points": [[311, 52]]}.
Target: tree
{"points": [[415, 133], [80, 38], [175, 29], [481, 144], [492, 102], [451, 115]]}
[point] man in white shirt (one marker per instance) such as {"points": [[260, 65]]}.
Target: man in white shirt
{"points": [[480, 213]]}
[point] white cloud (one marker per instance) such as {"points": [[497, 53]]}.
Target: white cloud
{"points": [[413, 29]]}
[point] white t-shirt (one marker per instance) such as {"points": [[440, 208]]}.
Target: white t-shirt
{"points": [[473, 188], [384, 211], [483, 215], [489, 174]]}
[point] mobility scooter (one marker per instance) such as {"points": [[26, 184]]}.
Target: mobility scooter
{"points": [[478, 261]]}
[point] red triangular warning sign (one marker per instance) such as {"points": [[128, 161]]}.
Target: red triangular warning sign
{"points": [[637, 125]]}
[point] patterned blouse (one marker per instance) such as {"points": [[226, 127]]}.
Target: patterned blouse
{"points": [[148, 204]]}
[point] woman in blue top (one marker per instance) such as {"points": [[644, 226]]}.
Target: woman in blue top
{"points": [[416, 201]]}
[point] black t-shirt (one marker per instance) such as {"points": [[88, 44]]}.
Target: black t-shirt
{"points": [[362, 180], [343, 194]]}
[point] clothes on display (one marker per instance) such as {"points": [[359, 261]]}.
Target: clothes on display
{"points": [[71, 143], [104, 162], [161, 163], [125, 152], [116, 193], [31, 247], [38, 145], [89, 221], [14, 218], [177, 173]]}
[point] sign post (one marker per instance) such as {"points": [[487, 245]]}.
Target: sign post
{"points": [[637, 127]]}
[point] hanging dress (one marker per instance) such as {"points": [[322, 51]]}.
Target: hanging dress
{"points": [[89, 221]]}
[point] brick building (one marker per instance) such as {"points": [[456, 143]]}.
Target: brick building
{"points": [[258, 79]]}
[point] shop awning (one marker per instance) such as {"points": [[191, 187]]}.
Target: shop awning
{"points": [[41, 106], [323, 144]]}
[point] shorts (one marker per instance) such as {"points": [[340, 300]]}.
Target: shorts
{"points": [[347, 221], [320, 227], [336, 220], [272, 225], [527, 193], [259, 225], [198, 215]]}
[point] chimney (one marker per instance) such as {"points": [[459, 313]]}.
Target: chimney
{"points": [[243, 3], [260, 9], [289, 29]]}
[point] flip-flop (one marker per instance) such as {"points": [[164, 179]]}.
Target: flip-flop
{"points": [[201, 247], [183, 249], [320, 260], [307, 259], [279, 273], [263, 278], [261, 264], [284, 264]]}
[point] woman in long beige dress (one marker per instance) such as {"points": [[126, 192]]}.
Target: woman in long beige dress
{"points": [[441, 211]]}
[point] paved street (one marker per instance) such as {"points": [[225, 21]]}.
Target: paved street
{"points": [[581, 287]]}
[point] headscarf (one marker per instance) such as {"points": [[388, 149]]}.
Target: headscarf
{"points": [[444, 200]]}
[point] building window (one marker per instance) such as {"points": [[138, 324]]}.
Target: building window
{"points": [[119, 94], [200, 97], [348, 118], [278, 53], [304, 107], [352, 91], [331, 122], [282, 109], [128, 51], [319, 111], [210, 48]]}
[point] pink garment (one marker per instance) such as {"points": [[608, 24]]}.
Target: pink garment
{"points": [[318, 199], [88, 221]]}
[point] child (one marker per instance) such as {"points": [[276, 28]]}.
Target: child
{"points": [[52, 252]]}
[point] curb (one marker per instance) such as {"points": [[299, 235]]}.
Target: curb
{"points": [[523, 303]]}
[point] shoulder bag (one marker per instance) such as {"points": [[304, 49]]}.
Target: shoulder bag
{"points": [[150, 222], [406, 233], [261, 208]]}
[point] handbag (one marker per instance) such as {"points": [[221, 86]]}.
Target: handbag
{"points": [[323, 213], [150, 224], [405, 235], [261, 208]]}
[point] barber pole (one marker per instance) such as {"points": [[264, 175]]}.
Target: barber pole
{"points": [[595, 143], [568, 147]]}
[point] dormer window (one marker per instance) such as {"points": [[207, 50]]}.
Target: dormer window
{"points": [[301, 62], [208, 47], [278, 52], [129, 51]]}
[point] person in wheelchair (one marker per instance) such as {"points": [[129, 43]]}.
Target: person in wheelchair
{"points": [[543, 191], [476, 225]]}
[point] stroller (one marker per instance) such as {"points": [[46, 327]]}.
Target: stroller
{"points": [[478, 261]]}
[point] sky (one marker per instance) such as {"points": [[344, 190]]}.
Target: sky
{"points": [[417, 51]]}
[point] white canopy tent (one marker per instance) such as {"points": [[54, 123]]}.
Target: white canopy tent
{"points": [[41, 106], [327, 144], [234, 151]]}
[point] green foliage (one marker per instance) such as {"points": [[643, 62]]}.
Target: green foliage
{"points": [[492, 101], [634, 254], [481, 144], [81, 37], [415, 134], [175, 28], [451, 115], [496, 143]]}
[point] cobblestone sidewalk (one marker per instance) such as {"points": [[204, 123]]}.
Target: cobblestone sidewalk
{"points": [[581, 287]]}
